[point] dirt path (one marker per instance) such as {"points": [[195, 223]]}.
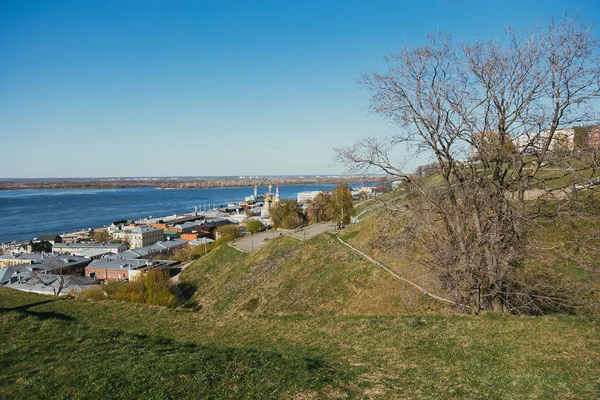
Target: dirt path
{"points": [[178, 270], [395, 275]]}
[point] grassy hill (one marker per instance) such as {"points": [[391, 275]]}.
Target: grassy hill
{"points": [[288, 276], [561, 250], [314, 320], [57, 348]]}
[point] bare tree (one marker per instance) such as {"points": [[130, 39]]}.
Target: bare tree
{"points": [[54, 273], [505, 105]]}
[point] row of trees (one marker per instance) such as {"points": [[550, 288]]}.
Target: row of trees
{"points": [[444, 98], [337, 206]]}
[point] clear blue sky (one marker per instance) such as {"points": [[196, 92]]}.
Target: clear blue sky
{"points": [[155, 88]]}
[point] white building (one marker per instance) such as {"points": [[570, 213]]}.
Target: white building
{"points": [[532, 143], [238, 218], [73, 248], [305, 197], [140, 236]]}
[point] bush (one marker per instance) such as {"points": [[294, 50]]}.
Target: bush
{"points": [[227, 233], [93, 293], [151, 288], [254, 226], [286, 214]]}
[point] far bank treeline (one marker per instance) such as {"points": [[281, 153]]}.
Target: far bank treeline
{"points": [[174, 183]]}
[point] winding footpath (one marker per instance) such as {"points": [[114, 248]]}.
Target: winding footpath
{"points": [[395, 275]]}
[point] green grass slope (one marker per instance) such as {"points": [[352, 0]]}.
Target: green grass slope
{"points": [[288, 276], [54, 354], [69, 348], [378, 234], [561, 252]]}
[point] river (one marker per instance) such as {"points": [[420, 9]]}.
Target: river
{"points": [[26, 214]]}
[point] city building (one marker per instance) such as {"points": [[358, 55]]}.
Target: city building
{"points": [[92, 254], [116, 268], [43, 283], [139, 236], [532, 143], [159, 248], [238, 217], [15, 258], [51, 238], [200, 241], [593, 138], [188, 227], [44, 263], [72, 248], [170, 235], [305, 197]]}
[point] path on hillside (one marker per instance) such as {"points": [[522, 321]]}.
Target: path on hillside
{"points": [[395, 275], [250, 243], [181, 267], [311, 231]]}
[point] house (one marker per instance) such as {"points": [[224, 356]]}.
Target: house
{"points": [[51, 238], [92, 254], [170, 235], [200, 241], [45, 274], [116, 268], [238, 217], [63, 264], [189, 236], [15, 258], [188, 227], [48, 284], [164, 247], [6, 273]]}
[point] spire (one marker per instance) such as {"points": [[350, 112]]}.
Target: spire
{"points": [[255, 191], [277, 194]]}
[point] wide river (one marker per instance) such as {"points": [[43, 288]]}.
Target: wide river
{"points": [[26, 214]]}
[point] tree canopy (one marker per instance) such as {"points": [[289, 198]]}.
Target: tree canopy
{"points": [[320, 208], [287, 214], [254, 226], [227, 233], [342, 203]]}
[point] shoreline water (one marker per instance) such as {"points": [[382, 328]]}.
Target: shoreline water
{"points": [[26, 214], [175, 183]]}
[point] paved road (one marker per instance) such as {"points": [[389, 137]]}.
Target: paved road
{"points": [[176, 272], [254, 242], [313, 230]]}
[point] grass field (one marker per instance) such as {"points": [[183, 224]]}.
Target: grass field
{"points": [[288, 276], [55, 348], [311, 320]]}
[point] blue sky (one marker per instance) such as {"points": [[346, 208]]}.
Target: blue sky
{"points": [[158, 88]]}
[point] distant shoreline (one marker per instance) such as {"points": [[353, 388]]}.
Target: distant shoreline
{"points": [[174, 183]]}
